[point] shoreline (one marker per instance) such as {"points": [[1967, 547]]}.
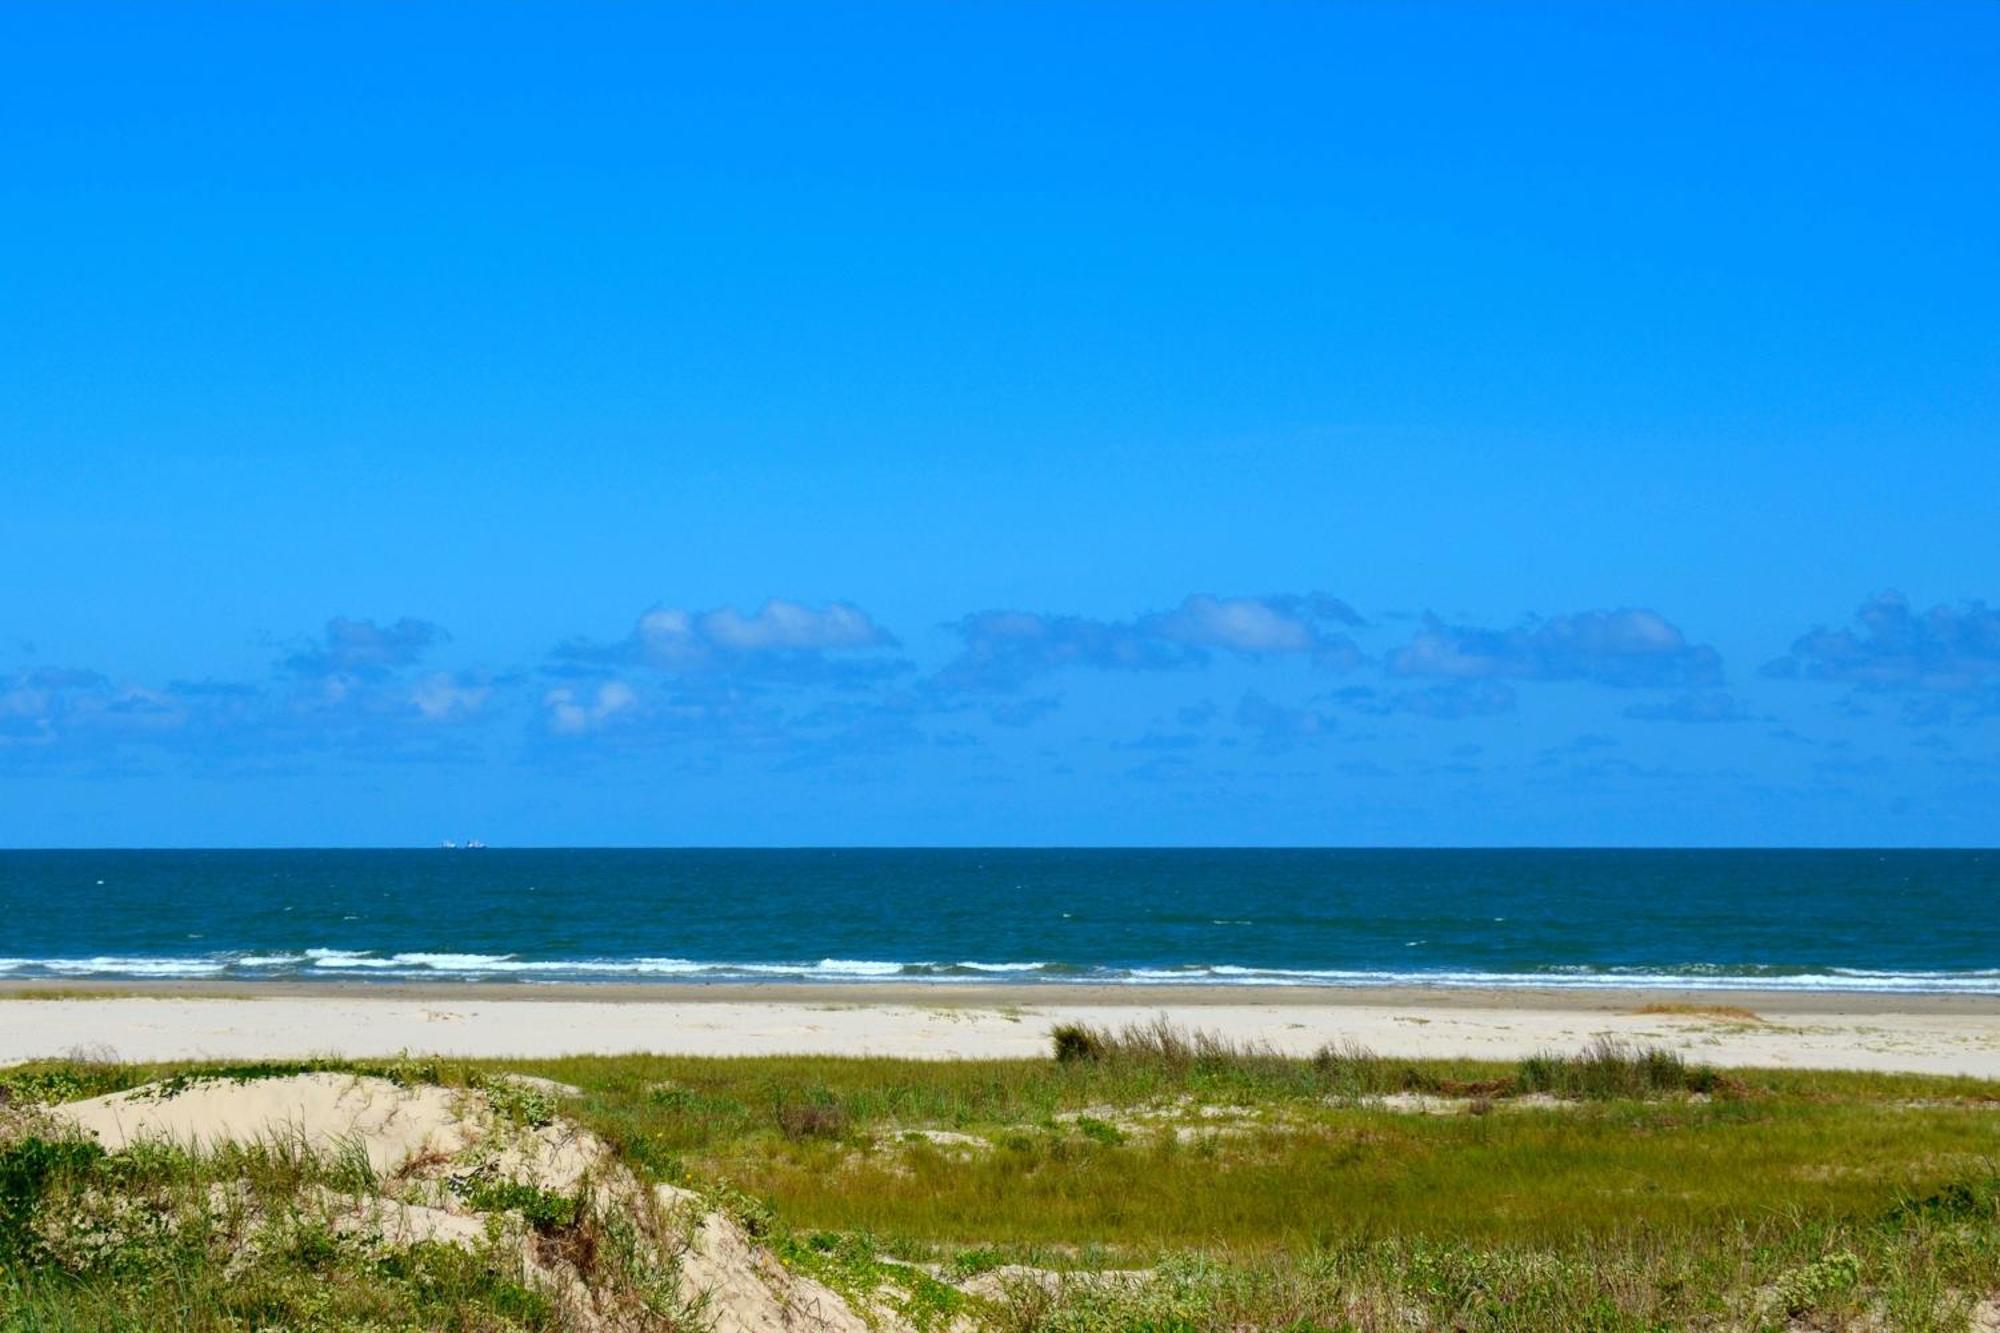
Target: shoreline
{"points": [[1035, 995]]}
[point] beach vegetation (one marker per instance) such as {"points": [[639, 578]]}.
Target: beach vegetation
{"points": [[1077, 1041], [814, 1114], [519, 1101], [1167, 1182]]}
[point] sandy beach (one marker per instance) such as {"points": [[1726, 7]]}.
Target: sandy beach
{"points": [[1908, 1033]]}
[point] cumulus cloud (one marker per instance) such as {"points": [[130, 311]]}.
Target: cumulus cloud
{"points": [[1947, 650], [1257, 626], [781, 640], [1625, 648], [1003, 650], [445, 696], [44, 707], [701, 718], [31, 702], [363, 647], [348, 690], [677, 639], [573, 713]]}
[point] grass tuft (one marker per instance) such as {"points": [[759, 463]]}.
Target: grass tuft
{"points": [[1075, 1042], [1730, 1013], [817, 1116]]}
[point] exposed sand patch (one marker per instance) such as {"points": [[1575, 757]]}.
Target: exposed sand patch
{"points": [[997, 1284], [950, 1141], [1834, 1032], [1423, 1103], [738, 1286], [323, 1113], [1183, 1117], [536, 1083], [401, 1223]]}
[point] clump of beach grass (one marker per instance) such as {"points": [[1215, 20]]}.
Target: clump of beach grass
{"points": [[1608, 1068], [1075, 1042], [815, 1115], [1161, 1043]]}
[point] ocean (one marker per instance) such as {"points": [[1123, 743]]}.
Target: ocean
{"points": [[1915, 921]]}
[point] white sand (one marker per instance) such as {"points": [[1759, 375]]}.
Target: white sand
{"points": [[1831, 1032], [322, 1113]]}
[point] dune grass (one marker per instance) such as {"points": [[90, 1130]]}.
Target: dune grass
{"points": [[1611, 1188], [161, 1239]]}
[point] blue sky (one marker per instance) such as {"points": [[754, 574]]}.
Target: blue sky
{"points": [[1074, 424]]}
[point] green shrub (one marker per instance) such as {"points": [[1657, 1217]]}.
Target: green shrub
{"points": [[522, 1103], [66, 1082], [1807, 1288], [28, 1167], [1103, 1131], [544, 1210], [673, 1097]]}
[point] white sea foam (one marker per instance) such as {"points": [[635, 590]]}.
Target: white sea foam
{"points": [[861, 967], [131, 967], [453, 962], [337, 959], [416, 964]]}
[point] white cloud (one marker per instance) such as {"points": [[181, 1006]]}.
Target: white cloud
{"points": [[1240, 624], [781, 640], [572, 715], [442, 697], [789, 626]]}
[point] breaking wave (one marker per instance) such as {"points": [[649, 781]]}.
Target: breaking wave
{"points": [[368, 964]]}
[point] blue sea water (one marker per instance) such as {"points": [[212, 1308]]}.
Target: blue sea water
{"points": [[1861, 920]]}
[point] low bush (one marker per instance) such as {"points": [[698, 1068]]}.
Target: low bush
{"points": [[29, 1167]]}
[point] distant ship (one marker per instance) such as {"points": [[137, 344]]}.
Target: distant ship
{"points": [[469, 845]]}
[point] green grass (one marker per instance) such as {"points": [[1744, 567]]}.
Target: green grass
{"points": [[1608, 1189]]}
